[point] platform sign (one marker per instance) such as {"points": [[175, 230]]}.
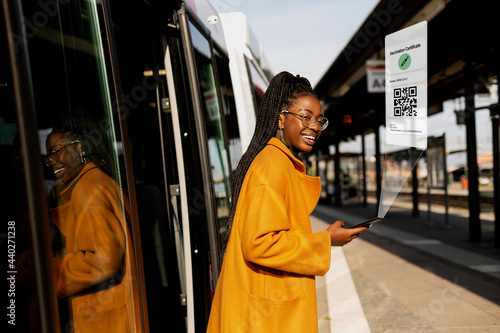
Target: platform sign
{"points": [[375, 75], [406, 86]]}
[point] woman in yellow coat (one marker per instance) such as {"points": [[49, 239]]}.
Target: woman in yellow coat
{"points": [[267, 281], [97, 274]]}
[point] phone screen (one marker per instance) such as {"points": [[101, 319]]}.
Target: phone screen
{"points": [[366, 223]]}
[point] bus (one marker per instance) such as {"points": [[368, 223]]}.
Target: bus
{"points": [[250, 75], [155, 79]]}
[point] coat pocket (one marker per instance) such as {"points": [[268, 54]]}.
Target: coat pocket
{"points": [[114, 320], [270, 315]]}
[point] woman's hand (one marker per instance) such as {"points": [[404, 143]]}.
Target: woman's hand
{"points": [[341, 236]]}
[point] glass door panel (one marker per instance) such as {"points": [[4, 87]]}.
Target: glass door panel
{"points": [[214, 127], [229, 108], [21, 298], [140, 51], [93, 246]]}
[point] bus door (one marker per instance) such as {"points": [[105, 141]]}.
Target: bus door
{"points": [[179, 152], [76, 265], [202, 153], [159, 175]]}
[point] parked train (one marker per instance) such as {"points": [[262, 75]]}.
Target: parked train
{"points": [[177, 101]]}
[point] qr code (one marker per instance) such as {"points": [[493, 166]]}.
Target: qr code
{"points": [[405, 102]]}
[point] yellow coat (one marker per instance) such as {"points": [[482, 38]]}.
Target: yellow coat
{"points": [[98, 273], [267, 281]]}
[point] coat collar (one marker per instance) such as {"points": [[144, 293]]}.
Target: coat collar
{"points": [[66, 193], [298, 164], [311, 186]]}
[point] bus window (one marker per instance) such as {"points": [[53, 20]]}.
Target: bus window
{"points": [[229, 106], [258, 84], [22, 303], [93, 250], [215, 136]]}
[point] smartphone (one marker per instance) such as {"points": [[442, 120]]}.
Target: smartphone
{"points": [[367, 223]]}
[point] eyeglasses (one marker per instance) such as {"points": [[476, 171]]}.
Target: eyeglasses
{"points": [[53, 156], [308, 120]]}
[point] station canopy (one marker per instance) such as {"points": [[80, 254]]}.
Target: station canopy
{"points": [[460, 32]]}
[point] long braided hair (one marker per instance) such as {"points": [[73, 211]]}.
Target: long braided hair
{"points": [[283, 89]]}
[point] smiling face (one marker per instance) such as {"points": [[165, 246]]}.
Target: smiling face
{"points": [[68, 161], [299, 138]]}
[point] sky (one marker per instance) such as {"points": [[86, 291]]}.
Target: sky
{"points": [[305, 37], [302, 37]]}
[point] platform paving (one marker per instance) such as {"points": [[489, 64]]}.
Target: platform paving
{"points": [[408, 275]]}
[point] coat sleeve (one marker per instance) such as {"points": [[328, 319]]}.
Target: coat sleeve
{"points": [[267, 239], [99, 251]]}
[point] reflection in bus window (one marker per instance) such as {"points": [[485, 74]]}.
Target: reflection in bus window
{"points": [[91, 213], [93, 252], [216, 144]]}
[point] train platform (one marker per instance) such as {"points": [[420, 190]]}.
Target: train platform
{"points": [[409, 274]]}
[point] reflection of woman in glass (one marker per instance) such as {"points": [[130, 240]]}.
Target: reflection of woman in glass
{"points": [[267, 277], [97, 271]]}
